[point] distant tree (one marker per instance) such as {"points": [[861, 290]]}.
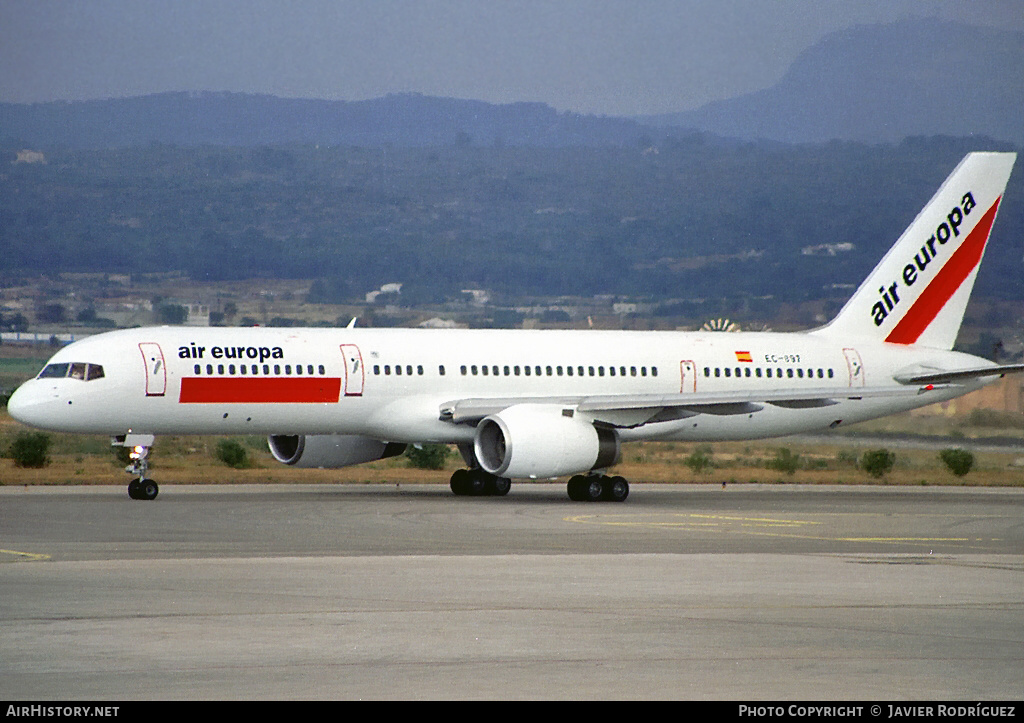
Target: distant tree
{"points": [[428, 456], [784, 461], [958, 461], [30, 449], [877, 462], [700, 460], [52, 314], [232, 453], [173, 314]]}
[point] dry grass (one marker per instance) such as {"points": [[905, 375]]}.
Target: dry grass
{"points": [[83, 460]]}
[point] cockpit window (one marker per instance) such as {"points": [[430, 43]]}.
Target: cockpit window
{"points": [[53, 371], [75, 370]]}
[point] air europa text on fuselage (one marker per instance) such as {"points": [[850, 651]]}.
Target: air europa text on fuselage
{"points": [[260, 353], [929, 251]]}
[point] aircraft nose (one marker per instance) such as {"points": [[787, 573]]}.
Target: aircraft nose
{"points": [[27, 407]]}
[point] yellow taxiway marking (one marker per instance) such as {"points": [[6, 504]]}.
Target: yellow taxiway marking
{"points": [[756, 526], [25, 555]]}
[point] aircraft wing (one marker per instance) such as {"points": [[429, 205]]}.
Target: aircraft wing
{"points": [[920, 376], [630, 410]]}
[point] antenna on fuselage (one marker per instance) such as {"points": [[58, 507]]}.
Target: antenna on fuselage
{"points": [[352, 324]]}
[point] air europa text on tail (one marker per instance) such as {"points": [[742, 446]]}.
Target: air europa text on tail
{"points": [[946, 230]]}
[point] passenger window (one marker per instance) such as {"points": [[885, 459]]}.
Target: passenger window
{"points": [[654, 371], [408, 370], [220, 369], [728, 372], [241, 368], [516, 370], [209, 369], [527, 370], [632, 371], [473, 369], [789, 373], [231, 368], [398, 370], [197, 370], [548, 371], [266, 370], [419, 370], [322, 370], [558, 370], [611, 371], [484, 370], [829, 373], [440, 370]]}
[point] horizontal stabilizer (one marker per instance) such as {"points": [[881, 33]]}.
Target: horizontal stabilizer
{"points": [[955, 375]]}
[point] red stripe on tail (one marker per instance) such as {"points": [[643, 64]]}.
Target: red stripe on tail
{"points": [[949, 278]]}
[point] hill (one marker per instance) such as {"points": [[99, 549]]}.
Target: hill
{"points": [[881, 83], [235, 119]]}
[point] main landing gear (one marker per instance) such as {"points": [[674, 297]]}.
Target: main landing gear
{"points": [[582, 488], [598, 488], [478, 483], [139, 488]]}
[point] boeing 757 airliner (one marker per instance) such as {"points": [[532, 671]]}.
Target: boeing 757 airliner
{"points": [[525, 404]]}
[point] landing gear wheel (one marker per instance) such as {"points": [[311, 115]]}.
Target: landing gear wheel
{"points": [[460, 482], [616, 489], [593, 490], [575, 488], [498, 486], [478, 482], [134, 489], [148, 489]]}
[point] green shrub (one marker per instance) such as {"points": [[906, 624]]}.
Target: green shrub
{"points": [[699, 461], [232, 453], [958, 461], [877, 462], [29, 449], [427, 456], [784, 461]]}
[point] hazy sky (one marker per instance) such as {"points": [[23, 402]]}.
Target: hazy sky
{"points": [[594, 56]]}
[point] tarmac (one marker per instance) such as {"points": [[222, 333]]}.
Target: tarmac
{"points": [[683, 592]]}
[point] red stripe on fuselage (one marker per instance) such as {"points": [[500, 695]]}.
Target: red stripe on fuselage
{"points": [[949, 278], [259, 390]]}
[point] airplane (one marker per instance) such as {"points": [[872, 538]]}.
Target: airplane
{"points": [[542, 404]]}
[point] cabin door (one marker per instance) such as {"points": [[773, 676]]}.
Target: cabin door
{"points": [[354, 374], [856, 368], [156, 370], [688, 376]]}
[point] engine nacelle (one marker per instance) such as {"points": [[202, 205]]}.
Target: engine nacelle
{"points": [[539, 441], [329, 451]]}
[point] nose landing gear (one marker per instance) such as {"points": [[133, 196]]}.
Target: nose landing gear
{"points": [[139, 488]]}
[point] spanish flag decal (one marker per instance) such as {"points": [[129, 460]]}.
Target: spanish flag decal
{"points": [[744, 356]]}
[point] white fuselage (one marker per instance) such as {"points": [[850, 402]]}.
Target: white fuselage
{"points": [[392, 384]]}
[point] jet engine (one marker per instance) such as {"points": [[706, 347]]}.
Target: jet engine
{"points": [[329, 451], [541, 441]]}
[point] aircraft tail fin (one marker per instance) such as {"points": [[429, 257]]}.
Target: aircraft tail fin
{"points": [[918, 292]]}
